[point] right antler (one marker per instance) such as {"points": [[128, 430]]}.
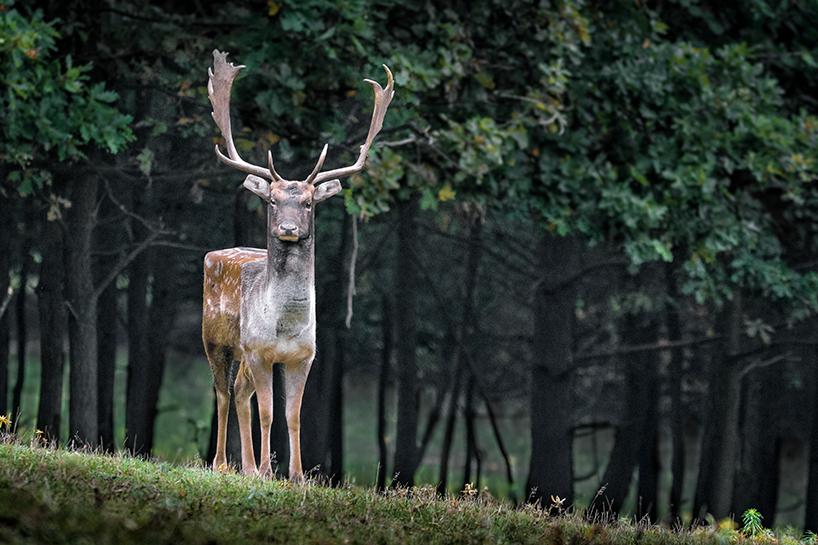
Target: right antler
{"points": [[219, 85], [382, 99]]}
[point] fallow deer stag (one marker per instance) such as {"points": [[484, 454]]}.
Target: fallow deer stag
{"points": [[259, 305]]}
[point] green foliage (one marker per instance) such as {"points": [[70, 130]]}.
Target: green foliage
{"points": [[50, 109], [752, 522]]}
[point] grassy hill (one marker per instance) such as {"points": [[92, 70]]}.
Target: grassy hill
{"points": [[56, 496]]}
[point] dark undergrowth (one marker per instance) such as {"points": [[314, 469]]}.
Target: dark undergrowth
{"points": [[59, 496]]}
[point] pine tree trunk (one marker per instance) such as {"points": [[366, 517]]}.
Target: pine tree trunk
{"points": [[406, 460], [53, 316], [551, 465], [82, 316]]}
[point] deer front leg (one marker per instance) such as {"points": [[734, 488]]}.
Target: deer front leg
{"points": [[242, 391], [263, 380], [295, 377]]}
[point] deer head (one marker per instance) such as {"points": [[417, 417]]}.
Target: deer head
{"points": [[290, 203]]}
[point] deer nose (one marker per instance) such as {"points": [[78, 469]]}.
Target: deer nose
{"points": [[288, 228]]}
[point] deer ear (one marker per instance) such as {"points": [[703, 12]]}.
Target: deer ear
{"points": [[326, 190], [257, 185]]}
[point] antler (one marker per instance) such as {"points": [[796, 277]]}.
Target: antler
{"points": [[382, 99], [219, 85]]}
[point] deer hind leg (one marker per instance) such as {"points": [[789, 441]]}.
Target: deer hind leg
{"points": [[263, 379], [243, 390], [295, 378], [220, 359]]}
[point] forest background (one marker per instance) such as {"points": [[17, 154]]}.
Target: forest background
{"points": [[582, 256]]}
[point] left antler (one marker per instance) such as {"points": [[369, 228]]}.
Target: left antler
{"points": [[382, 99], [219, 85]]}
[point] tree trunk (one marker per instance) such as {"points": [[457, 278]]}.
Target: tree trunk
{"points": [[107, 317], [20, 307], [635, 441], [756, 483], [720, 450], [53, 315], [649, 464], [383, 380], [811, 513], [466, 329], [677, 410], [406, 461], [136, 402], [448, 433], [162, 314], [82, 316], [6, 238], [472, 448], [107, 325], [551, 469]]}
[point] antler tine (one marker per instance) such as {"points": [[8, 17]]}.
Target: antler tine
{"points": [[382, 99], [311, 178], [219, 86], [276, 176]]}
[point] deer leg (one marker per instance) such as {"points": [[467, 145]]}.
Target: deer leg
{"points": [[219, 359], [222, 410], [263, 380], [295, 377], [242, 391]]}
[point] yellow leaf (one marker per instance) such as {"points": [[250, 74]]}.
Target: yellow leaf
{"points": [[446, 193], [272, 8], [270, 137]]}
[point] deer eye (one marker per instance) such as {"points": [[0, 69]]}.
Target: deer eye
{"points": [[308, 204]]}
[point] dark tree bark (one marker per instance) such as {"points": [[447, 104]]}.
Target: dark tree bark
{"points": [[677, 409], [448, 432], [757, 472], [82, 316], [647, 505], [811, 513], [53, 316], [20, 308], [383, 380], [405, 462], [107, 322], [472, 447], [551, 468], [137, 411], [6, 239], [162, 314], [322, 407], [635, 440], [714, 489]]}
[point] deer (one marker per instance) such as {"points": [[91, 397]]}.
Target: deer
{"points": [[258, 306]]}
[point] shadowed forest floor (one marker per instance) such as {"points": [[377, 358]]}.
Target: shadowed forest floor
{"points": [[56, 496]]}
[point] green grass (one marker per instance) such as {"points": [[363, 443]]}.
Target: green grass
{"points": [[59, 496]]}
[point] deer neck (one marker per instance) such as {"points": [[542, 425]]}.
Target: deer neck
{"points": [[290, 281]]}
